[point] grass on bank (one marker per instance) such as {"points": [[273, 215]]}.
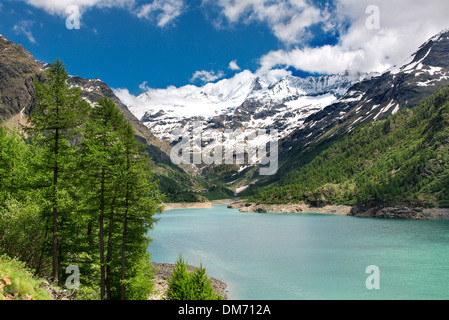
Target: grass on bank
{"points": [[18, 283]]}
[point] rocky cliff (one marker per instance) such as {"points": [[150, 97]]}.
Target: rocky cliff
{"points": [[18, 69]]}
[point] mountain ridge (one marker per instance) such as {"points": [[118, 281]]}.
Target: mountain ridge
{"points": [[308, 112], [400, 161], [164, 110], [378, 97], [398, 90]]}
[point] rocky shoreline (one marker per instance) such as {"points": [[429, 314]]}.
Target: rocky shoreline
{"points": [[288, 208], [163, 274], [382, 210], [385, 210], [371, 209], [187, 205]]}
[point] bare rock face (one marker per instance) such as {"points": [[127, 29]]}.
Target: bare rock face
{"points": [[412, 211], [371, 209], [289, 208], [18, 69], [388, 212]]}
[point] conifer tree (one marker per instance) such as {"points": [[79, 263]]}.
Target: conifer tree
{"points": [[54, 123], [120, 195], [141, 200], [13, 164], [101, 151]]}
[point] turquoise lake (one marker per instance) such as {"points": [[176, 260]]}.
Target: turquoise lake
{"points": [[308, 257]]}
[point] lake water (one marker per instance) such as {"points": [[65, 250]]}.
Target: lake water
{"points": [[300, 257]]}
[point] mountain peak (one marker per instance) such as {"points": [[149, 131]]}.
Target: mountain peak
{"points": [[441, 36], [244, 101], [379, 96], [257, 86], [432, 53]]}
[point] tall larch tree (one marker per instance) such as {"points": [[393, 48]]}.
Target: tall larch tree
{"points": [[55, 124]]}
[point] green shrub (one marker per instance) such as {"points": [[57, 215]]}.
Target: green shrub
{"points": [[140, 286], [185, 285]]}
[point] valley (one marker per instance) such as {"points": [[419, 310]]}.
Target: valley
{"points": [[311, 115], [224, 150]]}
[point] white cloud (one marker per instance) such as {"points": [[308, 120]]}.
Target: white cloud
{"points": [[233, 65], [59, 6], [326, 59], [273, 75], [143, 86], [164, 11], [24, 27], [207, 76], [404, 26], [288, 19], [127, 98]]}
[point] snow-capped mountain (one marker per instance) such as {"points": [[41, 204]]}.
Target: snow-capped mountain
{"points": [[379, 96], [244, 101], [303, 110], [192, 101]]}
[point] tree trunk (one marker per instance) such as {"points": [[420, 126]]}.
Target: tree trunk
{"points": [[102, 206], [125, 226], [109, 254], [41, 256], [55, 211]]}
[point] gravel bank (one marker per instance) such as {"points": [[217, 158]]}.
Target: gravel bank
{"points": [[371, 209], [187, 205], [288, 208]]}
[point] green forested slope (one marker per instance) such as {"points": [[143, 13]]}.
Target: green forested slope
{"points": [[78, 193], [403, 158]]}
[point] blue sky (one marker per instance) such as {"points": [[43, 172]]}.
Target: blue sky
{"points": [[124, 51], [157, 43]]}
